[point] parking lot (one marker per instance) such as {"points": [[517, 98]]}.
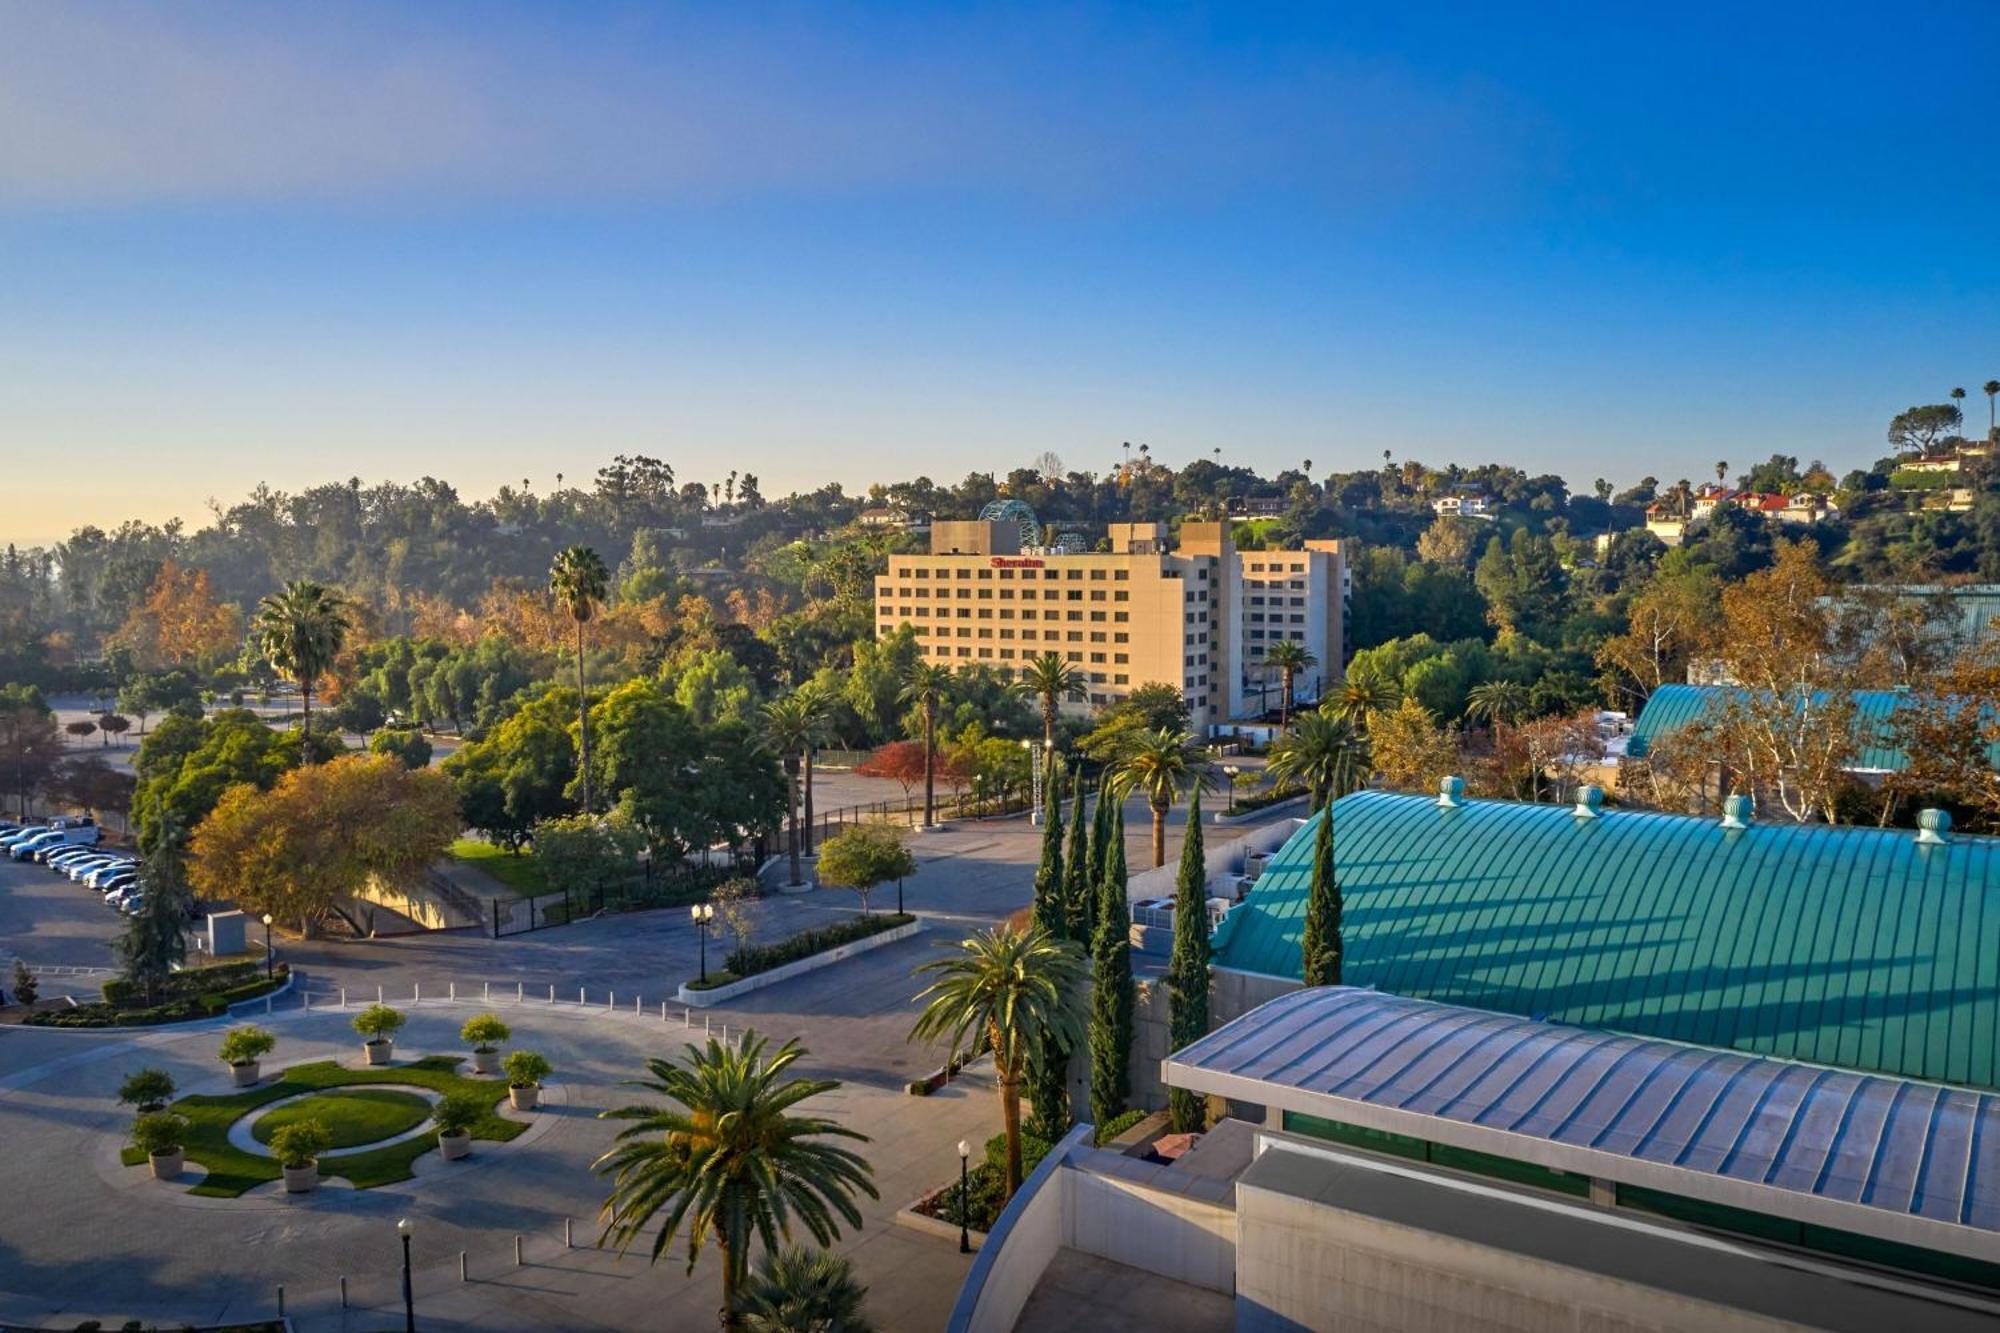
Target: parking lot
{"points": [[52, 922]]}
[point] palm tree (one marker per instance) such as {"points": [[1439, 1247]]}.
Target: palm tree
{"points": [[1052, 680], [730, 1161], [1958, 401], [579, 581], [799, 1290], [1992, 390], [1361, 695], [1721, 470], [1160, 764], [925, 687], [1321, 751], [819, 711], [788, 730], [1010, 991], [1496, 701], [1288, 657], [301, 630]]}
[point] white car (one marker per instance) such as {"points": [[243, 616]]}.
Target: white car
{"points": [[100, 878], [68, 857], [77, 867], [124, 893]]}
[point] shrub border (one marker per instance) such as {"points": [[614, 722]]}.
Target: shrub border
{"points": [[702, 997]]}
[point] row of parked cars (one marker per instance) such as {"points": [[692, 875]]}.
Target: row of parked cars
{"points": [[69, 846]]}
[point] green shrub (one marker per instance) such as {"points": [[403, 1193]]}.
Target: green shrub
{"points": [[378, 1022], [458, 1112], [762, 958], [159, 1132], [147, 1089], [1118, 1124], [300, 1144], [246, 1045], [1033, 1150], [484, 1032], [526, 1069]]}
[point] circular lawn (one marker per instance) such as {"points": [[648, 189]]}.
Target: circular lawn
{"points": [[352, 1116]]}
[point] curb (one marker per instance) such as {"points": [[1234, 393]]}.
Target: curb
{"points": [[702, 999], [933, 1227]]}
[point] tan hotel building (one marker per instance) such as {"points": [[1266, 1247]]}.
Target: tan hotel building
{"points": [[1199, 616]]}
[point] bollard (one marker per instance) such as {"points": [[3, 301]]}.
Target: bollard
{"points": [[663, 1011], [635, 1005], [343, 997], [704, 1024], [267, 1004], [485, 990], [517, 992], [416, 991], [451, 991], [579, 995], [687, 1018], [552, 992], [281, 1300], [378, 995], [568, 1244], [306, 1000], [461, 1266], [517, 1251], [611, 999], [343, 1293]]}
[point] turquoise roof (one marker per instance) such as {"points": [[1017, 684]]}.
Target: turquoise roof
{"points": [[1672, 707], [1854, 947]]}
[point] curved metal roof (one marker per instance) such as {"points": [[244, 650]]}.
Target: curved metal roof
{"points": [[1902, 1160], [1672, 707], [1853, 947]]}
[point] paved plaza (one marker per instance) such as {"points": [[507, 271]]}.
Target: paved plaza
{"points": [[89, 1238]]}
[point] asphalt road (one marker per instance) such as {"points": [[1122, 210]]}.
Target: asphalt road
{"points": [[52, 922]]}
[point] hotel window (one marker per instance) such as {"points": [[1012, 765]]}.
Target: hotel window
{"points": [[1073, 615], [965, 632], [1097, 657], [1097, 616], [1120, 638], [1120, 617], [1121, 657], [965, 573], [1097, 594], [986, 613], [1074, 657], [1006, 574], [1007, 654], [1007, 594], [921, 573], [1097, 677], [1121, 596], [985, 573], [1121, 680], [1075, 595], [965, 652], [1097, 574], [1074, 636], [1006, 613], [986, 594], [965, 613], [1027, 615], [1097, 636], [1120, 575], [1006, 634], [1074, 573]]}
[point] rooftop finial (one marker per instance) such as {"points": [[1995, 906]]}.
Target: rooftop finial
{"points": [[1589, 799], [1932, 826], [1736, 812], [1451, 792]]}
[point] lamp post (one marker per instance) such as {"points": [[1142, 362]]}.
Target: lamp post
{"points": [[702, 914], [1034, 782], [270, 963], [403, 1229], [964, 1202], [1232, 772]]}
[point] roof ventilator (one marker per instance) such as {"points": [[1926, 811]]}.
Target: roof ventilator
{"points": [[1451, 793], [1589, 802], [1736, 812], [1932, 827]]}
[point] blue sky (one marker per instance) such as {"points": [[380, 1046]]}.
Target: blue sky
{"points": [[491, 242]]}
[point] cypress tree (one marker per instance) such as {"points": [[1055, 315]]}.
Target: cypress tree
{"points": [[1320, 949], [1079, 886], [1111, 985], [1048, 1090], [1187, 969]]}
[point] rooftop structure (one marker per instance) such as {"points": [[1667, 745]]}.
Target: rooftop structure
{"points": [[1863, 948]]}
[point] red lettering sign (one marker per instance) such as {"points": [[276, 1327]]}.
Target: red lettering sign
{"points": [[1002, 562]]}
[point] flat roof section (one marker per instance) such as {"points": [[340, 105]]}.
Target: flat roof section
{"points": [[1903, 1161]]}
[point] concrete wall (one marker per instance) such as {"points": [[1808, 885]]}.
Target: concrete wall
{"points": [[423, 906], [1161, 1231], [1305, 1264], [1017, 1251], [1232, 995]]}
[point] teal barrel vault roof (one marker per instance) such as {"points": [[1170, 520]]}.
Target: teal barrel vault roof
{"points": [[1854, 947], [1672, 707]]}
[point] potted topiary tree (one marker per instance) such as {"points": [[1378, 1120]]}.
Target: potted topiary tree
{"points": [[484, 1033], [297, 1147], [242, 1048], [161, 1135], [379, 1024], [525, 1072], [455, 1116], [147, 1091]]}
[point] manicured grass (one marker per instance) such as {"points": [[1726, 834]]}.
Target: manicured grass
{"points": [[352, 1116], [231, 1171], [522, 873]]}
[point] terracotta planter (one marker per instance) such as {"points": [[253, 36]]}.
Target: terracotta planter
{"points": [[485, 1062], [244, 1076], [455, 1146], [379, 1051], [301, 1179], [525, 1099], [167, 1165]]}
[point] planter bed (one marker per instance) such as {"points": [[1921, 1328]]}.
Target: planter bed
{"points": [[232, 1171], [753, 969], [207, 993]]}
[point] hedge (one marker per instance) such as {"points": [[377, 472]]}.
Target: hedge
{"points": [[1263, 800], [186, 1007], [762, 958], [1118, 1124]]}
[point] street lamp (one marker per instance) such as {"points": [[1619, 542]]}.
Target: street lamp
{"points": [[1034, 782], [702, 914], [403, 1229], [964, 1202], [270, 963]]}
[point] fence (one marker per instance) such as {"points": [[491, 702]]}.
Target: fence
{"points": [[644, 890]]}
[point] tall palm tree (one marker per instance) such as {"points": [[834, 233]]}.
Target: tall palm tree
{"points": [[1992, 390], [1014, 992], [1958, 401], [1052, 680], [1288, 658], [1721, 470], [798, 1290], [1361, 695], [1496, 701], [1161, 764], [730, 1161], [819, 714], [788, 730], [925, 688], [1321, 751], [301, 630], [580, 582]]}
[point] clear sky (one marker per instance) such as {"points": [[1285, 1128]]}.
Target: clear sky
{"points": [[492, 242]]}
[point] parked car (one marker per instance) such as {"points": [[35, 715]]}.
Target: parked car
{"points": [[118, 896], [63, 858], [124, 879], [78, 870], [100, 878], [131, 905]]}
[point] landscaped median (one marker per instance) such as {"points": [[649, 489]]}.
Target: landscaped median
{"points": [[352, 1112], [197, 992], [752, 969]]}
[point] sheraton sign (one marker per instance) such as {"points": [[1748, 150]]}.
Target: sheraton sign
{"points": [[1005, 562]]}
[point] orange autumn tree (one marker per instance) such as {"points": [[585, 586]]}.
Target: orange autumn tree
{"points": [[179, 620]]}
